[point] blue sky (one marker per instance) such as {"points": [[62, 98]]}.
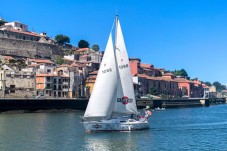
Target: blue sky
{"points": [[170, 34]]}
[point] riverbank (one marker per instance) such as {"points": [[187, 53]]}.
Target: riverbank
{"points": [[32, 105]]}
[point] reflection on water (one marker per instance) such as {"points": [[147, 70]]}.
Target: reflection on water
{"points": [[102, 141], [202, 128]]}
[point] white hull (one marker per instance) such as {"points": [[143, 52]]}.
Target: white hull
{"points": [[116, 125]]}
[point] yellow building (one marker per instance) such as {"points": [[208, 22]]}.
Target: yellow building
{"points": [[90, 82]]}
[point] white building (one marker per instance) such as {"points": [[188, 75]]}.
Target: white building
{"points": [[17, 26]]}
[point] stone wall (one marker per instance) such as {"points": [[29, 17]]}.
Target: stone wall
{"points": [[18, 85], [31, 49]]}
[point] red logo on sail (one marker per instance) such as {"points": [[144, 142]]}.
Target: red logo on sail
{"points": [[124, 100]]}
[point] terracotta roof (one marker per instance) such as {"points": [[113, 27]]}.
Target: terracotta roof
{"points": [[182, 80], [196, 82], [92, 77], [41, 61], [94, 72], [76, 65], [204, 86], [24, 32], [90, 80], [155, 78], [142, 65], [8, 58], [142, 75], [33, 65], [64, 76], [46, 75], [82, 49]]}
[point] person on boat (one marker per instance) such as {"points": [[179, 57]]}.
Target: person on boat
{"points": [[147, 113], [132, 116]]}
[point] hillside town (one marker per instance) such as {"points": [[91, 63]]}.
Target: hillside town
{"points": [[29, 70]]}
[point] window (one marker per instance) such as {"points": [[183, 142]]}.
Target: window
{"points": [[48, 70], [48, 79], [12, 88], [48, 86]]}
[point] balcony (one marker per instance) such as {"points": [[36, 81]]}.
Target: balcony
{"points": [[49, 81], [65, 89], [65, 83], [49, 88]]}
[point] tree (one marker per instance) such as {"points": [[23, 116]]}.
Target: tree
{"points": [[58, 60], [95, 47], [62, 39], [208, 84], [153, 91], [219, 86], [83, 44], [2, 22], [181, 72]]}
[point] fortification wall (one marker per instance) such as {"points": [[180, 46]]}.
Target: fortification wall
{"points": [[26, 48]]}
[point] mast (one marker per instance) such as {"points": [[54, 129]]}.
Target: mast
{"points": [[115, 49], [115, 40]]}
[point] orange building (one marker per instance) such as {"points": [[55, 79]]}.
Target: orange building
{"points": [[51, 85]]}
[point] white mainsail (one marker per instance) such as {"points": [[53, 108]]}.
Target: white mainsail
{"points": [[126, 102], [102, 100]]}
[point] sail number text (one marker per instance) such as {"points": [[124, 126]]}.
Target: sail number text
{"points": [[123, 66], [106, 70]]}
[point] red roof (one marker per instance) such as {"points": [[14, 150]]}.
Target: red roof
{"points": [[8, 58], [64, 76], [94, 72], [76, 65], [82, 49], [154, 78], [204, 86], [46, 75], [92, 77], [41, 61], [182, 80], [24, 32], [143, 65], [33, 65]]}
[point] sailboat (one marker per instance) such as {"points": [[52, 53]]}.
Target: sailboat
{"points": [[112, 105]]}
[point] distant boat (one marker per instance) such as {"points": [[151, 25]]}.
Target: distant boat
{"points": [[112, 105], [160, 109]]}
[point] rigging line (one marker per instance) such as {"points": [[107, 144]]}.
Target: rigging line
{"points": [[116, 9], [112, 25]]}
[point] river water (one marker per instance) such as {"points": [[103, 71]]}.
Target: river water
{"points": [[202, 128]]}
